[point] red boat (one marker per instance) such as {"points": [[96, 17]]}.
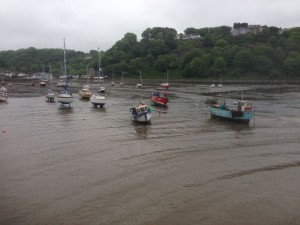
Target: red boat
{"points": [[159, 98]]}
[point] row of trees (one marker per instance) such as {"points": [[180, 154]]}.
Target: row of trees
{"points": [[268, 54]]}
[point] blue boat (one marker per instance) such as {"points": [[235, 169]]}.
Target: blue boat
{"points": [[242, 111]]}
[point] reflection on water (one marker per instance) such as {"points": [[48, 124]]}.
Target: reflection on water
{"points": [[142, 129], [85, 165]]}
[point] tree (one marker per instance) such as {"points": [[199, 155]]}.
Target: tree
{"points": [[219, 65], [244, 60], [263, 64]]}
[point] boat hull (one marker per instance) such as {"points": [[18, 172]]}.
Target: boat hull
{"points": [[98, 100], [85, 93], [231, 115], [3, 94], [50, 97], [65, 98], [159, 101], [141, 118]]}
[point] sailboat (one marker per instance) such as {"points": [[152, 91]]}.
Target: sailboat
{"points": [[121, 84], [50, 97], [99, 98], [220, 84], [85, 92], [166, 84], [65, 97], [140, 85]]}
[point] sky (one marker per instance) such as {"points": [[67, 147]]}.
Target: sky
{"points": [[89, 24]]}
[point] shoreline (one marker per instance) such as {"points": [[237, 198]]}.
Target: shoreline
{"points": [[24, 88]]}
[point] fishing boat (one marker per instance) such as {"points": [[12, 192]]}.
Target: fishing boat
{"points": [[141, 113], [242, 111], [159, 98], [50, 97], [65, 97], [3, 94], [99, 99]]}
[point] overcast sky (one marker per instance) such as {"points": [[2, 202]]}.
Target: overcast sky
{"points": [[87, 24]]}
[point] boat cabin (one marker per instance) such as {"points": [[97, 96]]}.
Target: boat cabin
{"points": [[158, 94], [244, 106]]}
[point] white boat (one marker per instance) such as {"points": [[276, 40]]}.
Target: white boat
{"points": [[3, 94], [141, 113], [121, 84], [43, 83], [65, 97], [99, 98], [61, 83], [101, 90], [50, 97], [140, 85], [166, 85]]}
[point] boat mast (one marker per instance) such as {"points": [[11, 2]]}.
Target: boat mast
{"points": [[50, 76], [141, 76], [65, 61], [99, 59]]}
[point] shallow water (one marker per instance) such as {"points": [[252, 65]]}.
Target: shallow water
{"points": [[94, 166]]}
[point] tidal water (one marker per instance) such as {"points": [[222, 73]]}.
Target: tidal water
{"points": [[94, 166]]}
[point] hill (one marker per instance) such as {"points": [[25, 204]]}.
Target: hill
{"points": [[239, 52]]}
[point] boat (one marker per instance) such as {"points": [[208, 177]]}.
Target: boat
{"points": [[101, 76], [121, 84], [101, 90], [242, 111], [85, 92], [99, 98], [141, 113], [61, 83], [166, 85], [65, 97], [3, 94], [140, 85], [159, 98], [50, 97], [43, 83]]}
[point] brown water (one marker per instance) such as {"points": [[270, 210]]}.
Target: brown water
{"points": [[95, 166]]}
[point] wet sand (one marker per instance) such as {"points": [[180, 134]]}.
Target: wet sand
{"points": [[94, 166]]}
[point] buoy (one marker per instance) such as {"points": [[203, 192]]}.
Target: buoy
{"points": [[4, 131]]}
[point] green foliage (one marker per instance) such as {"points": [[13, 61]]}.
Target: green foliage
{"points": [[214, 51]]}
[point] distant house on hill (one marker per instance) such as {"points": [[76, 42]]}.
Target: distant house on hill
{"points": [[244, 28], [189, 36]]}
